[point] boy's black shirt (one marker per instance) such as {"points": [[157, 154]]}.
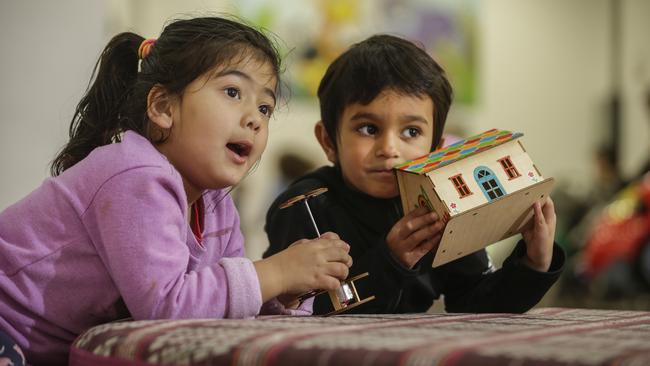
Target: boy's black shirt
{"points": [[468, 284]]}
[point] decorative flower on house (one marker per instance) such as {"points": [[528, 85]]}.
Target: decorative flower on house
{"points": [[453, 205]]}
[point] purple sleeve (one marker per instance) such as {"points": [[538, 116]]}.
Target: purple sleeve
{"points": [[138, 226], [235, 246], [243, 288], [275, 307]]}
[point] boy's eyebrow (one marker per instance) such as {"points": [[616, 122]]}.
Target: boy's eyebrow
{"points": [[365, 115], [244, 75], [414, 118], [375, 117]]}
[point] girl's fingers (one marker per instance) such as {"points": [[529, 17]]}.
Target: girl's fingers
{"points": [[299, 242], [328, 283], [332, 243], [337, 270], [333, 254], [329, 235]]}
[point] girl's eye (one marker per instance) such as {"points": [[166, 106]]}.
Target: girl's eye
{"points": [[368, 130], [266, 110], [411, 132], [233, 92]]}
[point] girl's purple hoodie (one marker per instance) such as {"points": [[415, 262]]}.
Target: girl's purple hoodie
{"points": [[109, 239]]}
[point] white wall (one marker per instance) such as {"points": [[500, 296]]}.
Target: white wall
{"points": [[544, 69], [48, 50], [635, 59], [545, 73]]}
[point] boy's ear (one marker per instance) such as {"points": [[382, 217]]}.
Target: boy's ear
{"points": [[160, 107], [325, 141]]}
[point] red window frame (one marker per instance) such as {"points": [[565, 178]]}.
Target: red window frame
{"points": [[460, 185], [509, 168]]}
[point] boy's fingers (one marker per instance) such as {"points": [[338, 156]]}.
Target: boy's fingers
{"points": [[424, 220], [426, 232], [420, 211], [540, 220], [549, 211], [429, 244], [417, 212], [414, 224]]}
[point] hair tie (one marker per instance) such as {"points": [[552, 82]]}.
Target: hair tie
{"points": [[145, 48]]}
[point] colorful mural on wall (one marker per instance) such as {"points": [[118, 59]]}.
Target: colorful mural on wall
{"points": [[317, 31]]}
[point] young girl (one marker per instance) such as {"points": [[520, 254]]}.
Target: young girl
{"points": [[137, 220]]}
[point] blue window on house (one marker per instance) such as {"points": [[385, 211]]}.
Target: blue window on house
{"points": [[489, 183]]}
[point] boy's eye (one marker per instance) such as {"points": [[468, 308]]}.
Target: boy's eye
{"points": [[411, 132], [368, 130], [232, 92], [266, 110]]}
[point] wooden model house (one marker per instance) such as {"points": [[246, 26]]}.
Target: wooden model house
{"points": [[484, 187]]}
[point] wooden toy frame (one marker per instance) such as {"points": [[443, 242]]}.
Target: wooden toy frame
{"points": [[350, 298]]}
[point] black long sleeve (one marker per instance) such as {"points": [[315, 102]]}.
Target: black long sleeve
{"points": [[469, 284], [367, 246]]}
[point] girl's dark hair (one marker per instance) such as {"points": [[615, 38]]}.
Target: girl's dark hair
{"points": [[376, 64], [117, 99]]}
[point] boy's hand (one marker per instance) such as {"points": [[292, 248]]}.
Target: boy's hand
{"points": [[305, 265], [539, 235], [414, 235]]}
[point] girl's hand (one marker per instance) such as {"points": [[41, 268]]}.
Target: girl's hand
{"points": [[305, 265], [289, 301], [414, 235], [539, 235]]}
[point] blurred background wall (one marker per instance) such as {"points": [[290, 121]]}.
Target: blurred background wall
{"points": [[550, 69]]}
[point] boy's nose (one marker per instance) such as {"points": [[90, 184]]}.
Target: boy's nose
{"points": [[387, 147]]}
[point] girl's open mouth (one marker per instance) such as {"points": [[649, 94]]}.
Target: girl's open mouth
{"points": [[240, 148]]}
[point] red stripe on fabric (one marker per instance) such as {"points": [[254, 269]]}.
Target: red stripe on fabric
{"points": [[81, 357], [456, 352]]}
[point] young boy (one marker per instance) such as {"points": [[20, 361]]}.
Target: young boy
{"points": [[384, 102]]}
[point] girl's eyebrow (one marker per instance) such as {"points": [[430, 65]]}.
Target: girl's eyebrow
{"points": [[247, 77]]}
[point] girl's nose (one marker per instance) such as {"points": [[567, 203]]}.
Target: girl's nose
{"points": [[252, 120]]}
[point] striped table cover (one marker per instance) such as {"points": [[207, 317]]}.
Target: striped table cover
{"points": [[547, 336]]}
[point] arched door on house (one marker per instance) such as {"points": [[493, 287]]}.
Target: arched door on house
{"points": [[489, 183]]}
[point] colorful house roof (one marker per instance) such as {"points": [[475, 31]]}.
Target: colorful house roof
{"points": [[459, 150]]}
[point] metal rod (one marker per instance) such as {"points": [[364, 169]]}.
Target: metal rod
{"points": [[312, 217]]}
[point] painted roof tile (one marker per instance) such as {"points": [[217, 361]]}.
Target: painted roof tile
{"points": [[459, 150]]}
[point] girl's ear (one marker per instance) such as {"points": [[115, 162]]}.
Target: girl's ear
{"points": [[160, 107], [325, 142]]}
